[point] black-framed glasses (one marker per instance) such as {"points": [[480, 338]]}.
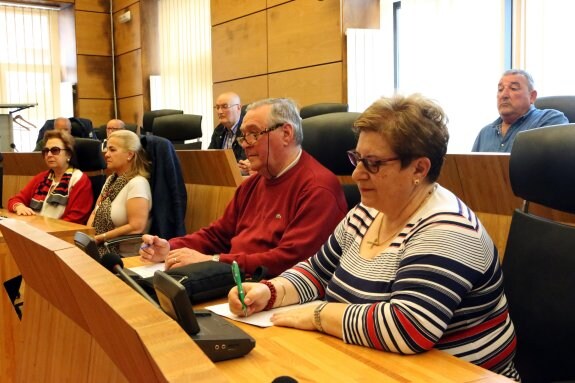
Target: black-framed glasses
{"points": [[371, 164], [224, 106], [54, 150], [252, 138]]}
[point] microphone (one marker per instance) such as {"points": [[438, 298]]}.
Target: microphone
{"points": [[113, 262], [13, 146]]}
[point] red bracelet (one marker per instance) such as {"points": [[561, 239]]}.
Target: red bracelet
{"points": [[272, 291]]}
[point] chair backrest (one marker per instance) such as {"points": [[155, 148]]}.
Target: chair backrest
{"points": [[89, 158], [81, 128], [565, 104], [327, 138], [169, 196], [179, 128], [150, 115], [322, 108], [539, 262]]}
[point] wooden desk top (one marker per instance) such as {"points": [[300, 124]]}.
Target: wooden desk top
{"points": [[309, 356], [56, 227]]}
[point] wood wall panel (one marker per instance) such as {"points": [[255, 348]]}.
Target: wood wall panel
{"points": [[239, 48], [273, 3], [315, 38], [122, 4], [93, 5], [360, 14], [307, 86], [94, 76], [129, 74], [131, 109], [250, 89], [225, 10], [93, 34], [98, 111], [127, 35]]}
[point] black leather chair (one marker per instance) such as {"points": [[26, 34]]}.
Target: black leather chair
{"points": [[183, 130], [149, 116], [539, 262], [322, 108], [565, 104], [327, 138], [89, 158]]}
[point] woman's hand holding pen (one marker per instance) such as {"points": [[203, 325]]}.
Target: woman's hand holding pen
{"points": [[154, 248], [256, 298]]}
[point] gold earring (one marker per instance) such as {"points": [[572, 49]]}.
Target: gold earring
{"points": [[416, 182]]}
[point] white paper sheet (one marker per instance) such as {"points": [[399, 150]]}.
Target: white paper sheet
{"points": [[148, 270], [261, 319]]}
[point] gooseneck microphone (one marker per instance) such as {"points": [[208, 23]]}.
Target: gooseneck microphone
{"points": [[113, 262], [13, 146]]}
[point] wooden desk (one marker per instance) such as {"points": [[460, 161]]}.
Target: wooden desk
{"points": [[9, 322], [309, 356]]}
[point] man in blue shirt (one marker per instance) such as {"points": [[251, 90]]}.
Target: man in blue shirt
{"points": [[515, 98]]}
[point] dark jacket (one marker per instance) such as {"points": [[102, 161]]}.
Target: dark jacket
{"points": [[81, 127], [218, 140], [169, 196]]}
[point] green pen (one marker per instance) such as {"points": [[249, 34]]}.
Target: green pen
{"points": [[238, 280]]}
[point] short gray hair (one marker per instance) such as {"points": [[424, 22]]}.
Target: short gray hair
{"points": [[283, 110], [521, 72]]}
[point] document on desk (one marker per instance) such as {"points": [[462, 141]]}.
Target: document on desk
{"points": [[261, 319], [147, 271]]}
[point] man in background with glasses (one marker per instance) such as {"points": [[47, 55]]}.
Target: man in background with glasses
{"points": [[112, 126], [229, 111], [278, 216]]}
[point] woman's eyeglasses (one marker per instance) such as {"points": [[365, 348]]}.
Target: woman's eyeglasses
{"points": [[54, 150], [371, 164]]}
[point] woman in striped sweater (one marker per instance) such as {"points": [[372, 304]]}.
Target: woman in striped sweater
{"points": [[411, 267]]}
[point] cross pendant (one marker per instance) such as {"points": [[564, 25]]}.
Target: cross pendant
{"points": [[373, 243]]}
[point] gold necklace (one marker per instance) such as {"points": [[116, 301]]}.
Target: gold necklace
{"points": [[375, 241]]}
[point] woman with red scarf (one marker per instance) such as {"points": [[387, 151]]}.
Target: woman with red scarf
{"points": [[62, 191]]}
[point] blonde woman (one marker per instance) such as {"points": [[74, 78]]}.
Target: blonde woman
{"points": [[124, 204]]}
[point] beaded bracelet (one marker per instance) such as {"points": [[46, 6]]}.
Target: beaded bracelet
{"points": [[274, 293]]}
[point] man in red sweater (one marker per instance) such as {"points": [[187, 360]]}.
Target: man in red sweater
{"points": [[277, 217]]}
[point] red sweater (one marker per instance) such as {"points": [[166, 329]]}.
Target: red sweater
{"points": [[274, 223], [80, 198]]}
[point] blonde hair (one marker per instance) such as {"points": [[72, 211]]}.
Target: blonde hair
{"points": [[131, 142]]}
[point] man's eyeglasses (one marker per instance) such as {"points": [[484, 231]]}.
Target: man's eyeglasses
{"points": [[224, 106], [54, 150], [252, 138], [371, 165]]}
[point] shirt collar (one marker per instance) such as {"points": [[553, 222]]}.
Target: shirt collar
{"points": [[291, 165]]}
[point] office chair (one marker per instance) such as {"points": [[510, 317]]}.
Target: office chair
{"points": [[565, 104], [322, 108], [539, 262], [149, 116], [183, 130], [327, 138], [89, 158]]}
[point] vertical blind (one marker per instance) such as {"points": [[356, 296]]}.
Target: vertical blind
{"points": [[186, 60], [29, 68]]}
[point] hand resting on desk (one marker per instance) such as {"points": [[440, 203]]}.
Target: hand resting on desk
{"points": [[156, 249]]}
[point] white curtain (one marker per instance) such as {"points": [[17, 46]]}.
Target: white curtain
{"points": [[452, 51], [186, 60], [547, 45], [29, 68]]}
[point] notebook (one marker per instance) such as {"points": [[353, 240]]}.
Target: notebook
{"points": [[218, 338]]}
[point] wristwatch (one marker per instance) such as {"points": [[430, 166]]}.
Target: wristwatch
{"points": [[216, 257]]}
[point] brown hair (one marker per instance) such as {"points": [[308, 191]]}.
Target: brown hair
{"points": [[66, 138], [413, 125]]}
